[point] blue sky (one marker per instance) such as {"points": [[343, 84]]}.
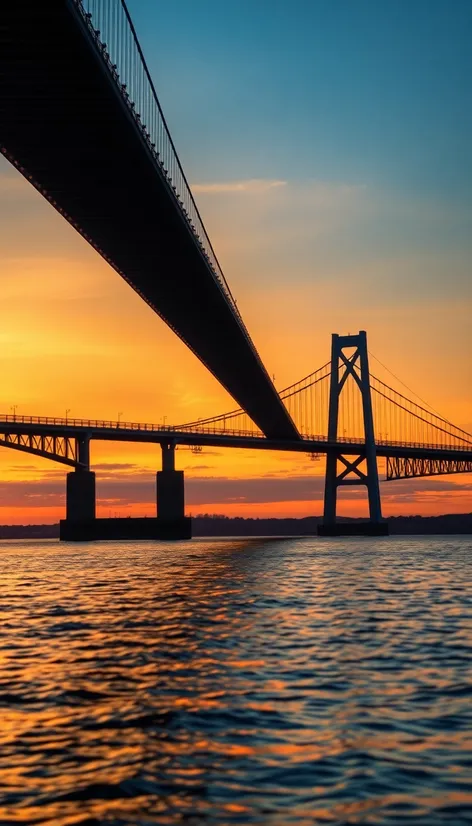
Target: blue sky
{"points": [[328, 145], [370, 99], [341, 90]]}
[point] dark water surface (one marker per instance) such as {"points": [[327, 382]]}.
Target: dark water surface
{"points": [[296, 681]]}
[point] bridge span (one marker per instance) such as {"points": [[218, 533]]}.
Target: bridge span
{"points": [[412, 440], [67, 441], [80, 119]]}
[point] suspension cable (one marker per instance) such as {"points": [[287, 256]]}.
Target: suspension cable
{"points": [[423, 409], [408, 388]]}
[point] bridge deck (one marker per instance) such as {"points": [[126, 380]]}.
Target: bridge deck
{"points": [[156, 434], [66, 126]]}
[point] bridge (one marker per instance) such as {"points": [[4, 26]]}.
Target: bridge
{"points": [[81, 120], [340, 410]]}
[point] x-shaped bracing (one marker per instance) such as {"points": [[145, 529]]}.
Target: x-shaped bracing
{"points": [[63, 449], [351, 466], [349, 364]]}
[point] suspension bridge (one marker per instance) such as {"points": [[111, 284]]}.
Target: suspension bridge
{"points": [[341, 410], [81, 121]]}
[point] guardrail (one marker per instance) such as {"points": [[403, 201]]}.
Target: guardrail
{"points": [[113, 32], [109, 424]]}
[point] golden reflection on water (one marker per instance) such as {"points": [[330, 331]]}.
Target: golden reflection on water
{"points": [[246, 681]]}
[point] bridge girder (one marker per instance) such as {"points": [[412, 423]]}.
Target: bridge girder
{"points": [[68, 127], [69, 444], [399, 467], [63, 449]]}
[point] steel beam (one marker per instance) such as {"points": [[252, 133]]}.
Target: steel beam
{"points": [[78, 429], [59, 448], [68, 127], [399, 467], [356, 367]]}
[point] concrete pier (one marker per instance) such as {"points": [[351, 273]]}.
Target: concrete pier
{"points": [[81, 524], [80, 496], [170, 489], [354, 529], [170, 494], [127, 528]]}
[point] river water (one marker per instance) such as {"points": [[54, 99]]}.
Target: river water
{"points": [[265, 681]]}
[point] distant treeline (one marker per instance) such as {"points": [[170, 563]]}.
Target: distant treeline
{"points": [[216, 525], [29, 531], [209, 525]]}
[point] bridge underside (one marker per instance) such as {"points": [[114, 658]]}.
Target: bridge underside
{"points": [[66, 127]]}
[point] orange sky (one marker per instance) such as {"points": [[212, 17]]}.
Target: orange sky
{"points": [[75, 337]]}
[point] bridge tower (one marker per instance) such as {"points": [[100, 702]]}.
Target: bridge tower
{"points": [[348, 470]]}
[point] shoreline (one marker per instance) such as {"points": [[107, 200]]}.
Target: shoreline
{"points": [[221, 526]]}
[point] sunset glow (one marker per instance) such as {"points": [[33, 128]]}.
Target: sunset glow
{"points": [[315, 235]]}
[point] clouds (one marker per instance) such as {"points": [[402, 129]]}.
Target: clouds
{"points": [[321, 256], [320, 228], [254, 222], [127, 486], [251, 186], [312, 240]]}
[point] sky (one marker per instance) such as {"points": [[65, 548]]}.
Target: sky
{"points": [[327, 144]]}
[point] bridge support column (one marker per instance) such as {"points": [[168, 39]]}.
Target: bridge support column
{"points": [[351, 470], [79, 524], [80, 496], [171, 497]]}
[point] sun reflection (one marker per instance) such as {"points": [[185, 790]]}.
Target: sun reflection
{"points": [[227, 676]]}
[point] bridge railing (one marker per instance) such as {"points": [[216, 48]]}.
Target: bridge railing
{"points": [[217, 428], [113, 32], [67, 421], [108, 424]]}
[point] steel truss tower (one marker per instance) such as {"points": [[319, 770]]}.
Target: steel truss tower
{"points": [[347, 470]]}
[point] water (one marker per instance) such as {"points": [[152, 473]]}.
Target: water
{"points": [[236, 681]]}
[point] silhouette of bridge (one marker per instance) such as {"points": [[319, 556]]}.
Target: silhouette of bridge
{"points": [[340, 410], [80, 119]]}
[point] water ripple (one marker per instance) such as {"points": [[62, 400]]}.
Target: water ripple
{"points": [[243, 681]]}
